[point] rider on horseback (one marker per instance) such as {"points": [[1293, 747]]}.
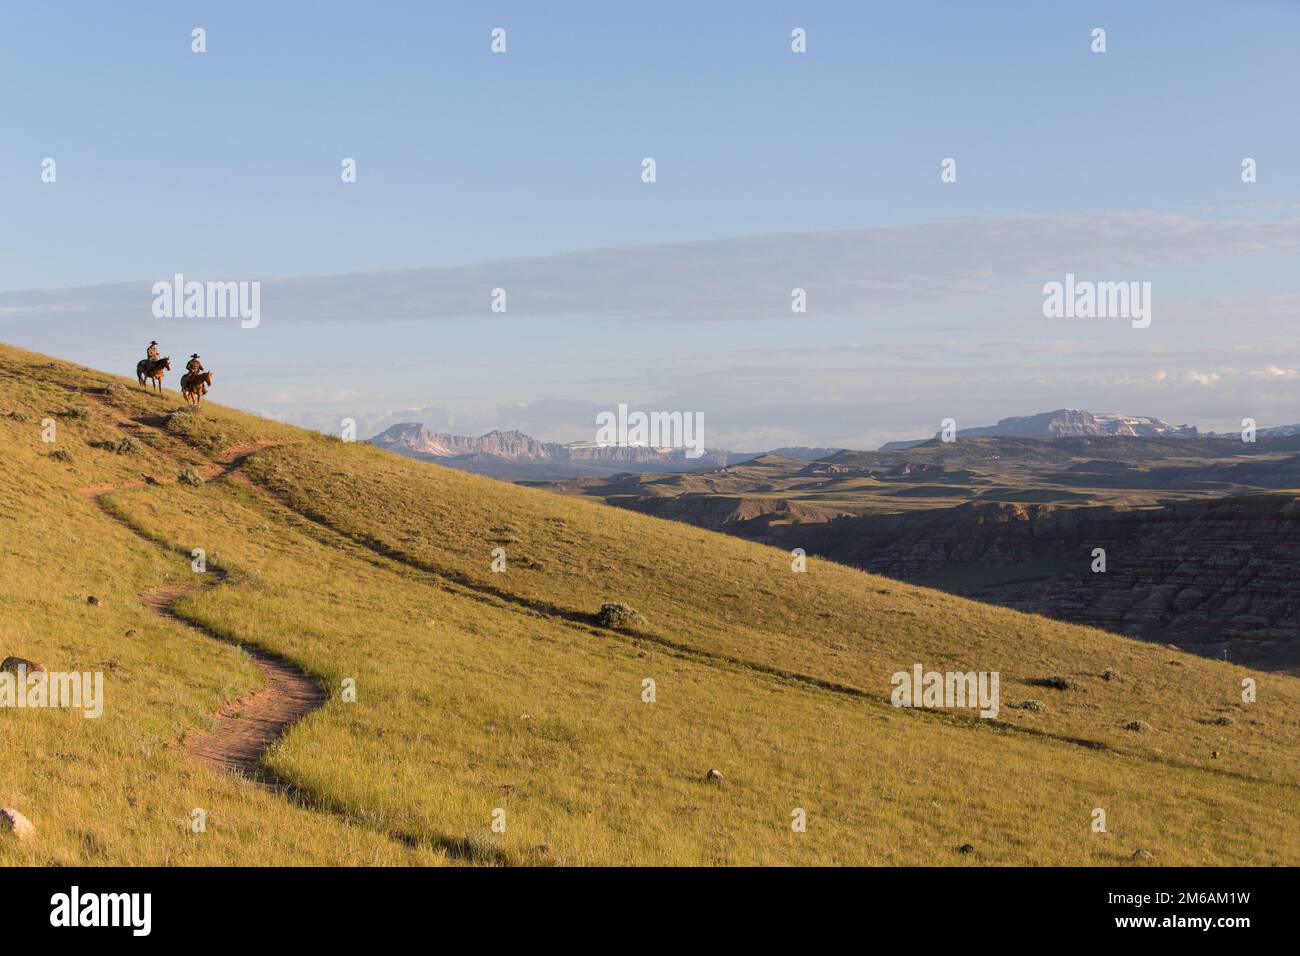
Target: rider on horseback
{"points": [[194, 366], [151, 353]]}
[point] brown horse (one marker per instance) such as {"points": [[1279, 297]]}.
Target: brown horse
{"points": [[194, 385], [153, 369]]}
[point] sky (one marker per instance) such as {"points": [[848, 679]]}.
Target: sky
{"points": [[774, 170]]}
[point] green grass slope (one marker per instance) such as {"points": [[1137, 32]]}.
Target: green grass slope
{"points": [[481, 694]]}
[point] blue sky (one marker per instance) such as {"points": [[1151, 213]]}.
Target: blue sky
{"points": [[225, 165]]}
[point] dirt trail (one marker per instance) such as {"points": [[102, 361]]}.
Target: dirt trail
{"points": [[244, 729]]}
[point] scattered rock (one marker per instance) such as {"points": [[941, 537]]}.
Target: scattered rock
{"points": [[92, 601], [18, 824], [1109, 674], [1142, 855], [1037, 706], [1214, 755], [16, 664], [1224, 721], [132, 632], [713, 776], [1137, 726], [618, 615], [966, 848]]}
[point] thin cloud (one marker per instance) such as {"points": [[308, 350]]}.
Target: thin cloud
{"points": [[845, 272]]}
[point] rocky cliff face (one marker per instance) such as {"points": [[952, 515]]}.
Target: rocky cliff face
{"points": [[416, 438], [499, 448], [1069, 423]]}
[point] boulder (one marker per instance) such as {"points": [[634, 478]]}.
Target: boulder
{"points": [[16, 823], [15, 664]]}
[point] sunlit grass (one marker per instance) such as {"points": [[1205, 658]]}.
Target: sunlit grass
{"points": [[478, 691]]}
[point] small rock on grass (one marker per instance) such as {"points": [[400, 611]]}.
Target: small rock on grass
{"points": [[14, 664], [16, 823]]}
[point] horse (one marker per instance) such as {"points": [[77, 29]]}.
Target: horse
{"points": [[194, 385], [153, 369]]}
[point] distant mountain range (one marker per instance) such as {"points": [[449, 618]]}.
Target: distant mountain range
{"points": [[1277, 431], [1067, 423], [514, 456]]}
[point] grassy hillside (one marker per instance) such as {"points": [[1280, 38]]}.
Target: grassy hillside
{"points": [[478, 691], [1200, 534]]}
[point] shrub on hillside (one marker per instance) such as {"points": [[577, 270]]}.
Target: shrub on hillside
{"points": [[181, 422], [18, 416], [61, 454], [190, 477], [480, 847], [127, 445], [79, 412], [618, 615]]}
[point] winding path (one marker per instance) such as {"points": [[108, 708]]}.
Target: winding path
{"points": [[243, 729]]}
